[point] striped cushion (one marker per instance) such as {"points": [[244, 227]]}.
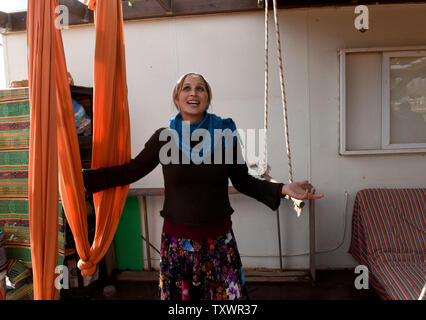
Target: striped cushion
{"points": [[389, 237], [403, 280], [21, 279], [14, 158]]}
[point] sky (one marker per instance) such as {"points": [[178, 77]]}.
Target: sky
{"points": [[15, 5]]}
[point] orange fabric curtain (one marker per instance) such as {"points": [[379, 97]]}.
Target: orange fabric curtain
{"points": [[111, 123], [43, 159], [53, 134], [71, 185]]}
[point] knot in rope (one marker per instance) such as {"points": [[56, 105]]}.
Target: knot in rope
{"points": [[87, 267]]}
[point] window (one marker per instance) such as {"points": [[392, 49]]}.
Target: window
{"points": [[404, 100], [383, 100]]}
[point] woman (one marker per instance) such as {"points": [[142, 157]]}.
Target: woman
{"points": [[199, 254]]}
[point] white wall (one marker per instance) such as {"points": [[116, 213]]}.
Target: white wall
{"points": [[229, 50], [2, 65]]}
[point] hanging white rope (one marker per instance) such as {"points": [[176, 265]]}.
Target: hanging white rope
{"points": [[298, 204], [263, 167], [283, 94]]}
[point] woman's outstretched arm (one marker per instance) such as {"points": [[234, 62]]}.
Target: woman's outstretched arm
{"points": [[99, 179]]}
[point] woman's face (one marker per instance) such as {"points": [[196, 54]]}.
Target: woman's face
{"points": [[193, 99]]}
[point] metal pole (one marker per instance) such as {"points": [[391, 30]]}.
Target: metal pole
{"points": [[142, 201], [312, 238], [279, 240]]}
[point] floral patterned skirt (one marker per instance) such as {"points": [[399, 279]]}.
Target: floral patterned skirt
{"points": [[207, 269]]}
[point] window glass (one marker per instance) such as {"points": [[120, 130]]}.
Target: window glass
{"points": [[407, 81]]}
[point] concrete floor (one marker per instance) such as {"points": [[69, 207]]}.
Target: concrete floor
{"points": [[329, 285]]}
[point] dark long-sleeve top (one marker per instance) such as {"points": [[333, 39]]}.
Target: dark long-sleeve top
{"points": [[195, 194]]}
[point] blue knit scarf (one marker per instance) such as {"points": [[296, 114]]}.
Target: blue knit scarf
{"points": [[210, 122]]}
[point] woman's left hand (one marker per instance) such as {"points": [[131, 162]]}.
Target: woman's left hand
{"points": [[301, 190]]}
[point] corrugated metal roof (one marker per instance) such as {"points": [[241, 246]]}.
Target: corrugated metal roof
{"points": [[144, 9]]}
